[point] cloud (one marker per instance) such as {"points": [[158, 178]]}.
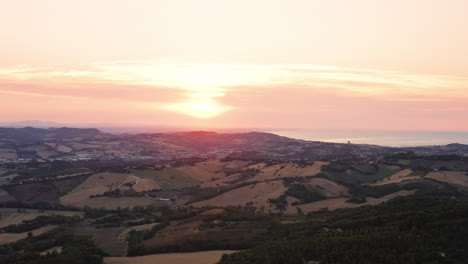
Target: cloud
{"points": [[217, 78], [262, 95]]}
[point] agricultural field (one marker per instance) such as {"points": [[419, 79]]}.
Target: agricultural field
{"points": [[96, 184], [286, 170], [186, 237], [8, 154], [403, 175], [5, 196], [44, 154], [203, 257], [13, 216], [81, 146], [65, 186], [34, 192], [453, 177], [255, 194], [123, 234], [3, 171], [105, 238], [338, 203], [213, 169], [6, 238], [174, 235], [326, 187], [168, 178]]}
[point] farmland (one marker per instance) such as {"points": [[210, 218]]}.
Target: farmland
{"points": [[6, 238], [132, 206], [203, 257], [168, 179], [11, 216]]}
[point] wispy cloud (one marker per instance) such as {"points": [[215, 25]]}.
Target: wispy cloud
{"points": [[253, 92], [215, 79]]}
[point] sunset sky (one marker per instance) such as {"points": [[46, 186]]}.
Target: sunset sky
{"points": [[331, 64]]}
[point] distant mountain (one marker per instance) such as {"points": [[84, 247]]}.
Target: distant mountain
{"points": [[31, 135], [31, 143], [31, 123], [118, 128]]}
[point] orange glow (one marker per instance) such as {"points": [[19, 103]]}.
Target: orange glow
{"points": [[357, 64], [200, 108]]}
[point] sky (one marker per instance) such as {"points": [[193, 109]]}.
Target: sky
{"points": [[324, 65]]}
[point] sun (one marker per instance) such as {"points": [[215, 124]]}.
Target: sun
{"points": [[203, 107], [199, 108]]}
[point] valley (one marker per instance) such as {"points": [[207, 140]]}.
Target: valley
{"points": [[205, 203]]}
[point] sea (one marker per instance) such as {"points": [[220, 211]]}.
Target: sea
{"points": [[383, 138]]}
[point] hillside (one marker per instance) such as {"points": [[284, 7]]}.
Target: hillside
{"points": [[145, 207]]}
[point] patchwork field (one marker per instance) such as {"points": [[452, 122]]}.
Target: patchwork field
{"points": [[34, 192], [213, 169], [256, 194], [336, 203], [8, 155], [168, 179], [213, 211], [203, 257], [81, 146], [222, 181], [400, 176], [123, 233], [112, 203], [63, 148], [45, 154], [11, 216], [454, 177], [286, 170], [5, 196], [326, 188], [105, 239], [6, 238], [205, 171], [173, 235], [142, 184], [96, 184], [183, 236]]}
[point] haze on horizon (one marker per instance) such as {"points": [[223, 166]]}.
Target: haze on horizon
{"points": [[362, 65]]}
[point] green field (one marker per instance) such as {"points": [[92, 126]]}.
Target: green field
{"points": [[67, 185], [169, 178], [367, 175]]}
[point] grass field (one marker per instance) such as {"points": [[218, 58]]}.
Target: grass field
{"points": [[336, 203], [169, 178], [6, 238], [94, 185], [105, 239], [326, 188], [67, 185], [453, 177], [11, 216], [33, 192], [400, 176], [285, 170], [383, 171], [258, 194], [5, 196], [123, 234], [203, 257]]}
